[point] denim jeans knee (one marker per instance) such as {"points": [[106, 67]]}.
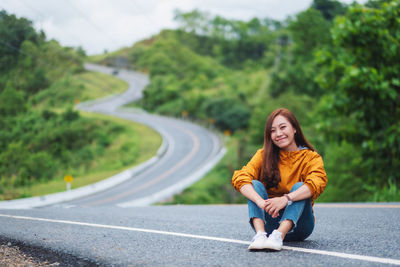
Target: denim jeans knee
{"points": [[254, 210], [260, 189], [257, 184]]}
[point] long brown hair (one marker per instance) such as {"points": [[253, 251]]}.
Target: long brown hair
{"points": [[270, 172]]}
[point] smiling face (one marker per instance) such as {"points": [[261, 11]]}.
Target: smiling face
{"points": [[282, 134]]}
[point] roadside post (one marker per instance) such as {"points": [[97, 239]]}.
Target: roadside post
{"points": [[185, 114], [68, 179]]}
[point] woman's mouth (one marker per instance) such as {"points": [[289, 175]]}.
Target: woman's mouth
{"points": [[281, 139]]}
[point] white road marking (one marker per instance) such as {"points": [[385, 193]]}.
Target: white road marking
{"points": [[63, 206], [306, 250], [355, 205]]}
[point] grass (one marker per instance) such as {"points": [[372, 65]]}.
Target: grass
{"points": [[76, 88], [103, 58], [99, 85]]}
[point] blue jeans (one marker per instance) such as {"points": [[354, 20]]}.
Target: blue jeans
{"points": [[300, 213]]}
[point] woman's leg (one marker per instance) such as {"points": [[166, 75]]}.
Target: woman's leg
{"points": [[257, 215], [298, 219], [259, 219], [297, 223], [272, 224]]}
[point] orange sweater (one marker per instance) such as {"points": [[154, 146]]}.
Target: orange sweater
{"points": [[297, 166]]}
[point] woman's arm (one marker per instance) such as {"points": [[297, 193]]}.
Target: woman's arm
{"points": [[274, 205], [250, 193], [316, 178], [248, 173], [303, 192]]}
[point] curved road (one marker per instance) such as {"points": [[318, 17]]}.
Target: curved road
{"points": [[189, 149]]}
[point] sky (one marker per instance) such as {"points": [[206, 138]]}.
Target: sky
{"points": [[99, 25]]}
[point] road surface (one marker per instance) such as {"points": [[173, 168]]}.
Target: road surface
{"points": [[216, 235]]}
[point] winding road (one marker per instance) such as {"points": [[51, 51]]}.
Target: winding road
{"points": [[117, 227], [190, 150]]}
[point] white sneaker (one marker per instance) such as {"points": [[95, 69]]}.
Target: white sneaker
{"points": [[274, 241], [258, 241]]}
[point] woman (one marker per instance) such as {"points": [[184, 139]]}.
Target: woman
{"points": [[281, 182]]}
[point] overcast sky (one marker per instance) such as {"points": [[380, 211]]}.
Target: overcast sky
{"points": [[97, 25]]}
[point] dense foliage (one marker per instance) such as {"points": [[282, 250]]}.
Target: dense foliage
{"points": [[28, 62], [360, 74], [184, 81], [335, 66], [36, 145]]}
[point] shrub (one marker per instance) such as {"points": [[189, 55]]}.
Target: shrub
{"points": [[229, 114]]}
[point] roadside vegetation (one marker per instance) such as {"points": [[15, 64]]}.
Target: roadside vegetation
{"points": [[334, 65], [42, 137]]}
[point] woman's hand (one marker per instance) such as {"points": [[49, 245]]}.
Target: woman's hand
{"points": [[274, 205], [262, 204]]}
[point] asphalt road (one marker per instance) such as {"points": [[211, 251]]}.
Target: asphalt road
{"points": [[189, 148], [205, 236]]}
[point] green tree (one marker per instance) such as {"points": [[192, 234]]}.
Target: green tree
{"points": [[12, 102], [229, 114], [13, 32], [309, 31], [361, 74], [376, 3], [232, 42], [12, 163], [329, 8], [296, 70], [196, 21]]}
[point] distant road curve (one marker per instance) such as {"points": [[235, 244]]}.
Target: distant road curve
{"points": [[191, 150]]}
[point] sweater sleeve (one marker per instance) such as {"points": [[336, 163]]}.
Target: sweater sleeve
{"points": [[248, 173], [316, 178]]}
